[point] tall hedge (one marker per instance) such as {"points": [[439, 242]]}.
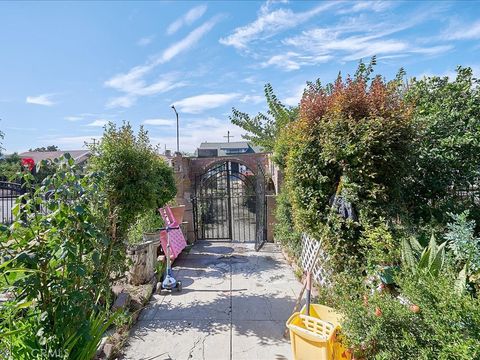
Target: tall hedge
{"points": [[351, 140]]}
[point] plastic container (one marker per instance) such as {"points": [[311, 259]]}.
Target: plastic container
{"points": [[314, 337], [311, 338]]}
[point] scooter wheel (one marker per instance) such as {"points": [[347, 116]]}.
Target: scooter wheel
{"points": [[179, 286]]}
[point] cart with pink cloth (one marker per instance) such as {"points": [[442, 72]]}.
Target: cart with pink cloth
{"points": [[177, 240]]}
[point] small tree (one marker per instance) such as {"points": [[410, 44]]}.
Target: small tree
{"points": [[10, 166], [136, 179], [263, 129], [45, 149]]}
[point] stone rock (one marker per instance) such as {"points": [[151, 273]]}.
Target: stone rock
{"points": [[122, 301], [108, 350], [140, 296]]}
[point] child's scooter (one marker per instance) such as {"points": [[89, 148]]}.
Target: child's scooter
{"points": [[169, 282]]}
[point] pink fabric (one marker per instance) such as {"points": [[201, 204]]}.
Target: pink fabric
{"points": [[177, 240]]}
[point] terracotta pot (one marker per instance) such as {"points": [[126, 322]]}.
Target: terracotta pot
{"points": [[178, 212]]}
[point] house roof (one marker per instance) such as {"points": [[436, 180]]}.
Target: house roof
{"points": [[225, 145], [78, 155]]}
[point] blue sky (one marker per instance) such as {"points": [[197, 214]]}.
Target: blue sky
{"points": [[67, 68]]}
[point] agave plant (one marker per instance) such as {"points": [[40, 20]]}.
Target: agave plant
{"points": [[430, 259]]}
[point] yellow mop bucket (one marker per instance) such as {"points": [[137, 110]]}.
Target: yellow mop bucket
{"points": [[314, 336], [311, 338]]}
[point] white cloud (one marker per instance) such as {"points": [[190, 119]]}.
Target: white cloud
{"points": [[133, 83], [269, 23], [295, 96], [188, 41], [73, 118], [252, 99], [122, 101], [351, 43], [144, 41], [188, 19], [199, 103], [98, 123], [463, 32], [44, 99], [293, 61], [376, 6], [159, 122]]}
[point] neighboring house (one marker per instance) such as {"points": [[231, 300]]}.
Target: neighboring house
{"points": [[80, 156], [207, 149]]}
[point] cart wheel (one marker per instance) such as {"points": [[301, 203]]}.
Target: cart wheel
{"points": [[179, 286]]}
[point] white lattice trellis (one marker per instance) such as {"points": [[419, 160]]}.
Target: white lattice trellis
{"points": [[315, 259]]}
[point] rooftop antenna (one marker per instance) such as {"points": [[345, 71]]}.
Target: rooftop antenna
{"points": [[228, 136]]}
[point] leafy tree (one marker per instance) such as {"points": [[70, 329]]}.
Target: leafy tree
{"points": [[446, 162], [10, 166], [45, 149], [135, 178], [263, 129]]}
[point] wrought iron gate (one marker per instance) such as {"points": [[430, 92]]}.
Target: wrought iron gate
{"points": [[230, 204], [8, 196]]}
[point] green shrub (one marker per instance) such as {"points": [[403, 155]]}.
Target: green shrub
{"points": [[380, 326], [10, 167], [148, 222], [446, 162], [285, 232], [136, 179], [56, 262]]}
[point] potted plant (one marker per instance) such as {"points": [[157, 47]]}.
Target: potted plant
{"points": [[146, 228], [143, 241]]}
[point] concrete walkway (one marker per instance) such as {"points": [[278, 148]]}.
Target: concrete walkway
{"points": [[233, 305]]}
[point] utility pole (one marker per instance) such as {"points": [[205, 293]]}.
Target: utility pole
{"points": [[228, 136], [178, 141]]}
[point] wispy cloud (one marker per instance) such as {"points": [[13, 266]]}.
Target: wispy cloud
{"points": [[295, 96], [188, 19], [44, 99], [376, 6], [351, 42], [73, 118], [293, 61], [144, 41], [190, 40], [133, 83], [98, 123], [159, 122], [463, 31], [199, 103], [269, 23], [252, 99]]}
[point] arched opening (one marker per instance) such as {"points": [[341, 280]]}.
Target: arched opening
{"points": [[229, 203]]}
